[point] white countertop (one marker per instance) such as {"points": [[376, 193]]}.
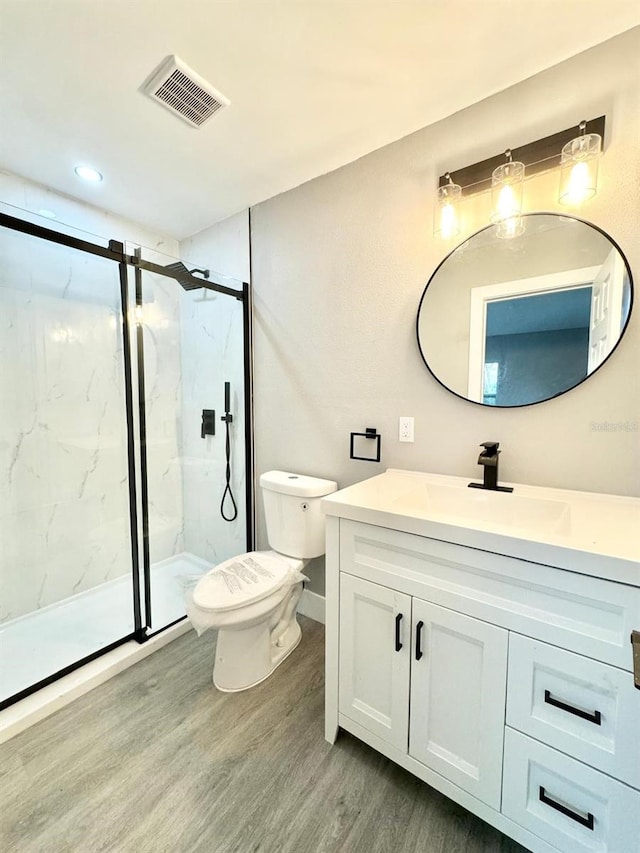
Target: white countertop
{"points": [[584, 532]]}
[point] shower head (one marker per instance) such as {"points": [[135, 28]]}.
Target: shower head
{"points": [[179, 268]]}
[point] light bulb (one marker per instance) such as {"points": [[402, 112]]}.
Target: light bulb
{"points": [[506, 190], [445, 218], [579, 188], [448, 221], [506, 203]]}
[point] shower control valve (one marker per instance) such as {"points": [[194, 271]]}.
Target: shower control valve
{"points": [[208, 423]]}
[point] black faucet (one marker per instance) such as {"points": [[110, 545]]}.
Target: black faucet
{"points": [[489, 459]]}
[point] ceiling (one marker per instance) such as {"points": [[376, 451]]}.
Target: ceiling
{"points": [[313, 85]]}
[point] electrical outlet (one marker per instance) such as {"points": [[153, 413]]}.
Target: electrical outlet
{"points": [[405, 429]]}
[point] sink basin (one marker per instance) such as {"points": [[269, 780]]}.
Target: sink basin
{"points": [[568, 529], [506, 510]]}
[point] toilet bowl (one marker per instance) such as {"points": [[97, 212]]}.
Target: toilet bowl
{"points": [[256, 630], [252, 598]]}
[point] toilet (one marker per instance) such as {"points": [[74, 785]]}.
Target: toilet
{"points": [[252, 598]]}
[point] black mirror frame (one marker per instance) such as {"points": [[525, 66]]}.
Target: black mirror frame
{"points": [[560, 393]]}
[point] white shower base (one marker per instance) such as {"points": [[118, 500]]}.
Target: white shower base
{"points": [[34, 646]]}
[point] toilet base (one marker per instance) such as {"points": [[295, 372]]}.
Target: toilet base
{"points": [[246, 658]]}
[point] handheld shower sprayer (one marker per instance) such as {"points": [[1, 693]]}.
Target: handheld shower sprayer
{"points": [[227, 418]]}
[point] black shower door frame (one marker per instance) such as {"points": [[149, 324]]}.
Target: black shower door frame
{"points": [[115, 251], [189, 281]]}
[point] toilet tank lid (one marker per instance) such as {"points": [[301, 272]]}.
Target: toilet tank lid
{"points": [[287, 483]]}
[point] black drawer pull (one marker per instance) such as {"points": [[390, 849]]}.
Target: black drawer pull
{"points": [[419, 628], [398, 621], [579, 818], [595, 717]]}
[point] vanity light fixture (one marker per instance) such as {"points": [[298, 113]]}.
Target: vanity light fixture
{"points": [[575, 150], [88, 173], [579, 167], [446, 219]]}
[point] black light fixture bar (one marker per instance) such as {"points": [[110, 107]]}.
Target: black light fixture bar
{"points": [[538, 156]]}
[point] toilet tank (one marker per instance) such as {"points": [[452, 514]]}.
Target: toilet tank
{"points": [[295, 522]]}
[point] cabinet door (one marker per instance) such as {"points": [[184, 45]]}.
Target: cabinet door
{"points": [[375, 626], [458, 683]]}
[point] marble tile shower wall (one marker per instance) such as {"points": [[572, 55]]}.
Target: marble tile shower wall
{"points": [[64, 507], [64, 520], [212, 341]]}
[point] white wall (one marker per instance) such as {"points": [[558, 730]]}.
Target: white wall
{"points": [[339, 265]]}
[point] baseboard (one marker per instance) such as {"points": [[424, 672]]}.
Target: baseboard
{"points": [[312, 605]]}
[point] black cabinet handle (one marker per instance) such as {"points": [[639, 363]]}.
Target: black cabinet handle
{"points": [[419, 628], [595, 717], [579, 818], [398, 642]]}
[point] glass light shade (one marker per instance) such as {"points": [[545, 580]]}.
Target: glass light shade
{"points": [[446, 218], [506, 191], [579, 169]]}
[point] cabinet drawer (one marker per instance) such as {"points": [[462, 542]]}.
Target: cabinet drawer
{"points": [[582, 707], [570, 805], [587, 615]]}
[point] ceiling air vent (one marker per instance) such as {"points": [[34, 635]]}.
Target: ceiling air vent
{"points": [[178, 88]]}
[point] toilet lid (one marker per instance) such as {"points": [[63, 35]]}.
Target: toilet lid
{"points": [[243, 580]]}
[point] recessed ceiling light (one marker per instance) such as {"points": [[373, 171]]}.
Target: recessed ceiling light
{"points": [[88, 173], [43, 211]]}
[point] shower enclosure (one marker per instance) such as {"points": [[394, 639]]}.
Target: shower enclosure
{"points": [[113, 365]]}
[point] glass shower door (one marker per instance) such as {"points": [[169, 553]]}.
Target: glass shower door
{"points": [[65, 522], [190, 344]]}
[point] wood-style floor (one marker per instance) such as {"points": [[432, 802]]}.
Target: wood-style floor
{"points": [[158, 761]]}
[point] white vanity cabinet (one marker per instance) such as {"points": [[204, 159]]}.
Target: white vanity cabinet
{"points": [[505, 684]]}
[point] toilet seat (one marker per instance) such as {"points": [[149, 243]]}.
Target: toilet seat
{"points": [[243, 580]]}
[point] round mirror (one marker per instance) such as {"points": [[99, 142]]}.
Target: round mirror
{"points": [[511, 322]]}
